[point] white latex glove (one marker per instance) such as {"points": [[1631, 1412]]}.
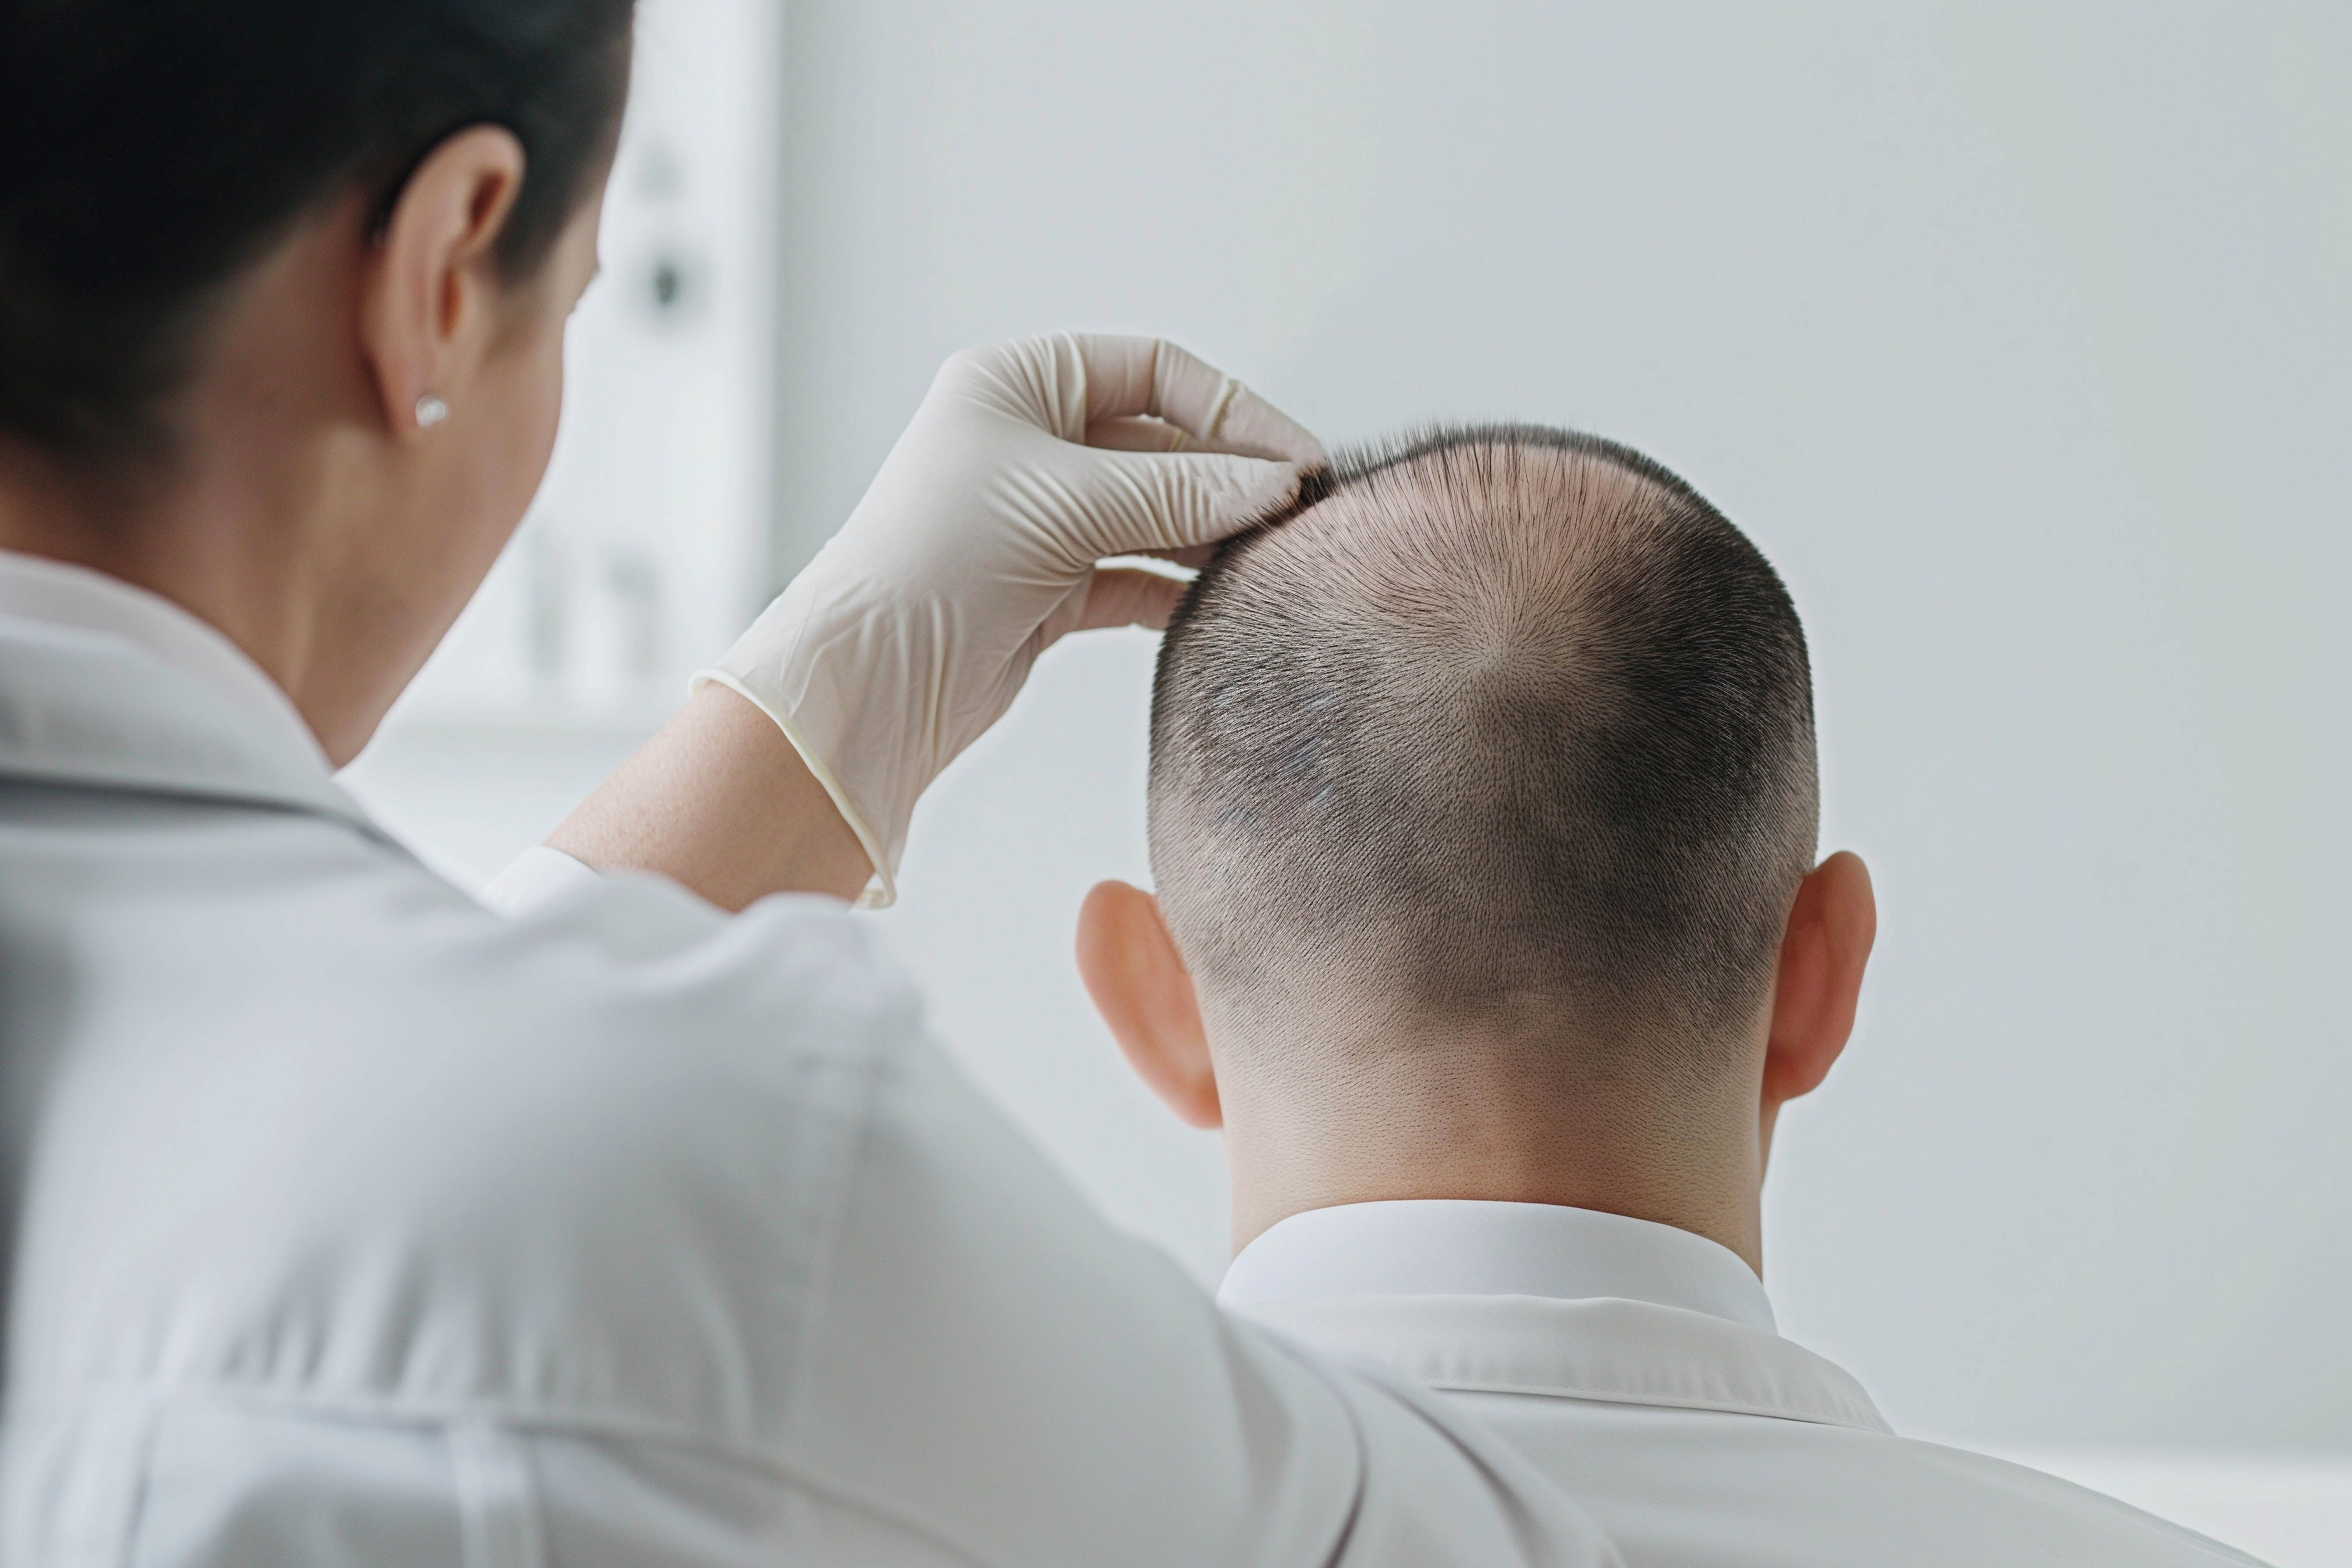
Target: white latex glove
{"points": [[977, 546]]}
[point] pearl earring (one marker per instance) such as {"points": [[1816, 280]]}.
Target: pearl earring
{"points": [[430, 411]]}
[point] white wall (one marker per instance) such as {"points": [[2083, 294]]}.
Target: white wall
{"points": [[2015, 334]]}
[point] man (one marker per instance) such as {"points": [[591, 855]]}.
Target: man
{"points": [[1484, 806]]}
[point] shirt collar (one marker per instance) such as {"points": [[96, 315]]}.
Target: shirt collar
{"points": [[105, 685], [1458, 1247], [58, 595], [1532, 1299]]}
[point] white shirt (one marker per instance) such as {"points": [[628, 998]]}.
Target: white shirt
{"points": [[1641, 1360], [360, 1226]]}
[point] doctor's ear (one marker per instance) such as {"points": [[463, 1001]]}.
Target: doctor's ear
{"points": [[434, 284], [1144, 992]]}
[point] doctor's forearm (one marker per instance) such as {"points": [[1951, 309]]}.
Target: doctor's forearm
{"points": [[720, 803]]}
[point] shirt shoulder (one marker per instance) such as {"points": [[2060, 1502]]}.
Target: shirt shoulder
{"points": [[1715, 1489]]}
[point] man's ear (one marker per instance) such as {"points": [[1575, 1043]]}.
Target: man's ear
{"points": [[1822, 953], [431, 281], [1144, 992]]}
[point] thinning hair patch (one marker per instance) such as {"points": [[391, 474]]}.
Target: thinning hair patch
{"points": [[1497, 722]]}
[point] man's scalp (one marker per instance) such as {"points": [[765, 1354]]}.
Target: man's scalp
{"points": [[1499, 720]]}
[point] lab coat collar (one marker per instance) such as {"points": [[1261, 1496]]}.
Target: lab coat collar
{"points": [[1534, 1299], [107, 685]]}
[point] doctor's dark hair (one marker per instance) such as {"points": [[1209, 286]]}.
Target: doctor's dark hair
{"points": [[1502, 727], [151, 150]]}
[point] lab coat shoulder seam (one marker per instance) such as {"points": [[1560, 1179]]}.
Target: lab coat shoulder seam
{"points": [[1663, 1402], [530, 1421]]}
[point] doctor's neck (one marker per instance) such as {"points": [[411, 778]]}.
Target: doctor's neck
{"points": [[237, 502], [350, 430]]}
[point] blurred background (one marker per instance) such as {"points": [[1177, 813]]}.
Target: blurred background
{"points": [[2017, 336]]}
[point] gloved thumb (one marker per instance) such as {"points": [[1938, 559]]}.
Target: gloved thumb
{"points": [[1113, 597], [1145, 501]]}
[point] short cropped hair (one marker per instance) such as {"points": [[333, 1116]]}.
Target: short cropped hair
{"points": [[1501, 724]]}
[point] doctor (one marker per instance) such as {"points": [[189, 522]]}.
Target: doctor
{"points": [[356, 1223]]}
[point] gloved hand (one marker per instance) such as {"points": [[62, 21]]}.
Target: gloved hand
{"points": [[977, 546]]}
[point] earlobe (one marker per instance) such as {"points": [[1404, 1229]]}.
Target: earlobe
{"points": [[1137, 978], [1818, 988]]}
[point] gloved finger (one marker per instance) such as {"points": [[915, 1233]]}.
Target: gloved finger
{"points": [[1140, 433], [1141, 504], [1130, 376], [1116, 596], [1121, 597]]}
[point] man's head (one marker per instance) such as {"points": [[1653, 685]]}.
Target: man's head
{"points": [[1483, 788]]}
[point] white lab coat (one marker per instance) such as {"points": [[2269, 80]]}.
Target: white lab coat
{"points": [[1643, 1362], [360, 1226]]}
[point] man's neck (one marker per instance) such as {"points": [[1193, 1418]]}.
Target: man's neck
{"points": [[1492, 1135]]}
